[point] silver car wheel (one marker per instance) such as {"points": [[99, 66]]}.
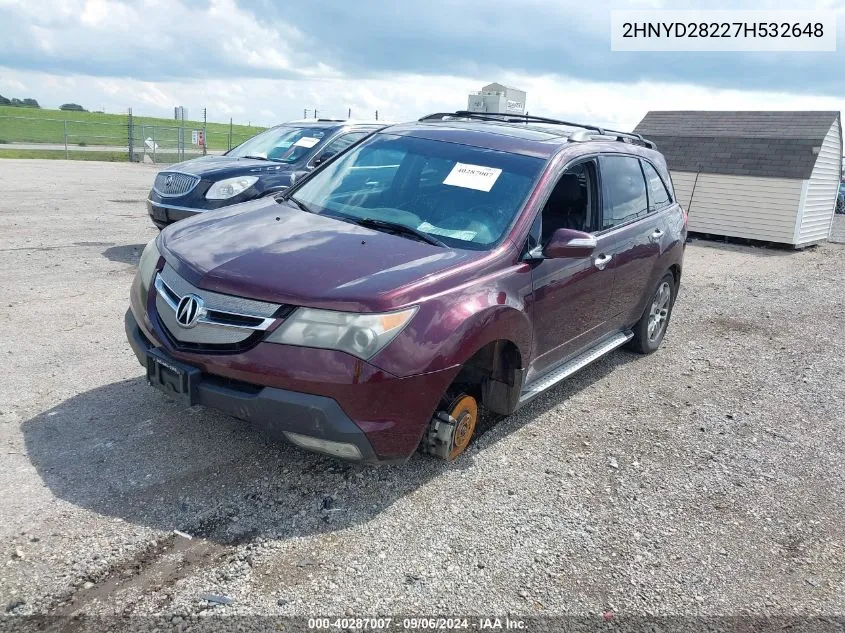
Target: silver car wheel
{"points": [[658, 314]]}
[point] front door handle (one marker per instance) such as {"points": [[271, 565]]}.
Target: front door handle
{"points": [[655, 235], [602, 261]]}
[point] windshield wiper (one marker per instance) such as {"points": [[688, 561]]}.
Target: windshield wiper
{"points": [[275, 160], [402, 229], [302, 206]]}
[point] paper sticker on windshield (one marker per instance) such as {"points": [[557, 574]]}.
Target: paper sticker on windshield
{"points": [[473, 177], [466, 236], [307, 141]]}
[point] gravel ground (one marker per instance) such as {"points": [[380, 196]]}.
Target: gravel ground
{"points": [[705, 479]]}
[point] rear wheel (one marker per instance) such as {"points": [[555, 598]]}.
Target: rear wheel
{"points": [[452, 427], [651, 328]]}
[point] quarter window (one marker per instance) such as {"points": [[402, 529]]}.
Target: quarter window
{"points": [[624, 190], [658, 195]]}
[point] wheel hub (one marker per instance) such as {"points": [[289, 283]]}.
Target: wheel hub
{"points": [[451, 429]]}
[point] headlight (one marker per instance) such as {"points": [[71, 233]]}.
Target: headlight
{"points": [[361, 335], [224, 189], [147, 264]]}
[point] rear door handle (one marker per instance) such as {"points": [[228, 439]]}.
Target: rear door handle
{"points": [[655, 235], [602, 261]]}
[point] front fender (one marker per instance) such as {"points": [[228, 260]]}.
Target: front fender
{"points": [[499, 322], [449, 330]]}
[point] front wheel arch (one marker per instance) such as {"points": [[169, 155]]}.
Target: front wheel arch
{"points": [[494, 375]]}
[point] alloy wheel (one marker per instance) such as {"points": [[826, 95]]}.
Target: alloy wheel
{"points": [[658, 314]]}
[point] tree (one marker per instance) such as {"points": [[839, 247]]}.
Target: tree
{"points": [[72, 106], [24, 103], [4, 100]]}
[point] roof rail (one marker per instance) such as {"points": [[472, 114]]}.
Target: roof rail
{"points": [[611, 135], [629, 137]]}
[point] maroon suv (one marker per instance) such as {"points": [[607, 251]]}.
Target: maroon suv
{"points": [[457, 262]]}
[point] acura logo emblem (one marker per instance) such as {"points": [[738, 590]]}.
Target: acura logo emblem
{"points": [[189, 310]]}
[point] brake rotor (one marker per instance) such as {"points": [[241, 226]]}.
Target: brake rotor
{"points": [[464, 410]]}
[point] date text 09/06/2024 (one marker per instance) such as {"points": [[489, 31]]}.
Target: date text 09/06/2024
{"points": [[417, 623]]}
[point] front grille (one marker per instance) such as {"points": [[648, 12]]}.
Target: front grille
{"points": [[173, 183], [225, 323]]}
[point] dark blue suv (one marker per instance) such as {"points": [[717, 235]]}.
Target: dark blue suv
{"points": [[268, 162]]}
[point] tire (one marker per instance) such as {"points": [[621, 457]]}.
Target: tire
{"points": [[651, 328]]}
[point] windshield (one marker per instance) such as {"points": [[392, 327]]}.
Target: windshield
{"points": [[283, 144], [465, 197]]}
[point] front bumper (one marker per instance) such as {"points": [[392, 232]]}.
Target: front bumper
{"points": [[382, 415], [163, 214]]}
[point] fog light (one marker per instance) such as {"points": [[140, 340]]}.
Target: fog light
{"points": [[338, 449]]}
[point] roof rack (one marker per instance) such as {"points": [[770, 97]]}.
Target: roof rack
{"points": [[626, 137], [316, 121]]}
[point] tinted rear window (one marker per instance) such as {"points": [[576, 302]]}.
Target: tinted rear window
{"points": [[624, 190]]}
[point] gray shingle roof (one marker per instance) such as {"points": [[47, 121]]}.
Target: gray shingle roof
{"points": [[762, 143]]}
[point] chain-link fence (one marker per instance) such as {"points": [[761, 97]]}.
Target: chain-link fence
{"points": [[121, 137], [165, 144]]}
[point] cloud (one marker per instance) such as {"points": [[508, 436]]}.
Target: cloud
{"points": [[151, 40], [180, 39], [397, 98], [565, 38], [265, 61]]}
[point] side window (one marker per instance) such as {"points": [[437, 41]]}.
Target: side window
{"points": [[623, 190], [572, 203], [658, 195], [339, 144]]}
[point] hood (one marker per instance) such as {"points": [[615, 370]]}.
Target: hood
{"points": [[274, 252], [217, 167]]}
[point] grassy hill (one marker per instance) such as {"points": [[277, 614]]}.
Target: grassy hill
{"points": [[32, 125]]}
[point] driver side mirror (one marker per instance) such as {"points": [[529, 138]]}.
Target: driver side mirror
{"points": [[569, 243], [322, 158]]}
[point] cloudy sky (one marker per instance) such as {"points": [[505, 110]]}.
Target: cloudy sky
{"points": [[264, 61]]}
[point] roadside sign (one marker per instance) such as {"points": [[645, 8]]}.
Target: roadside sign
{"points": [[195, 137]]}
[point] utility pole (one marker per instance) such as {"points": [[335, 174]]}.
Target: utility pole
{"points": [[376, 115], [181, 134], [131, 134], [315, 113], [349, 114], [305, 113], [204, 131]]}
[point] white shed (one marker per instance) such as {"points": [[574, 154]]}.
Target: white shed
{"points": [[770, 176]]}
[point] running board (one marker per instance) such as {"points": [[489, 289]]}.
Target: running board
{"points": [[538, 386]]}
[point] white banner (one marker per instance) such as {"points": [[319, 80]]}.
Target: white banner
{"points": [[722, 30]]}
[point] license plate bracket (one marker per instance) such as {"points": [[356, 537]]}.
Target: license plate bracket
{"points": [[177, 380]]}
